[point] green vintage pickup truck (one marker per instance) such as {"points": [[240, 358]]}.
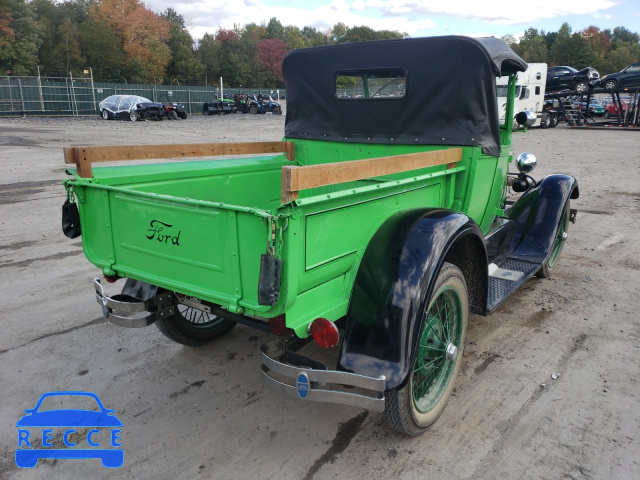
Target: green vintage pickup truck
{"points": [[374, 228]]}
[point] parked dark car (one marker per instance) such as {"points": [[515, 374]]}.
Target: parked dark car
{"points": [[130, 107], [628, 77], [568, 78]]}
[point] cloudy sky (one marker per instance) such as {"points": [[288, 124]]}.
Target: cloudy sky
{"points": [[416, 17]]}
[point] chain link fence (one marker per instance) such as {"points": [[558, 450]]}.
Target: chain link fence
{"points": [[79, 96]]}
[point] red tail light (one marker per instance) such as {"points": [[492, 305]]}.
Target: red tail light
{"points": [[111, 278], [324, 332]]}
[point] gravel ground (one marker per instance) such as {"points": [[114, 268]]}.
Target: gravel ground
{"points": [[203, 412]]}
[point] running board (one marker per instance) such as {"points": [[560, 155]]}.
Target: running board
{"points": [[506, 277]]}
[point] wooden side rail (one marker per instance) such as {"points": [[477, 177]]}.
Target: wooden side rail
{"points": [[83, 157], [295, 178]]}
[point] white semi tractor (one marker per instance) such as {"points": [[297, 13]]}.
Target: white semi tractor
{"points": [[529, 103]]}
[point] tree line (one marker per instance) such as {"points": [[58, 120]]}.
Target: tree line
{"points": [[606, 50], [124, 41]]}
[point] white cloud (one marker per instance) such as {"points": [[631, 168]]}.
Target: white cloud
{"points": [[358, 5], [206, 16], [494, 12], [415, 17], [603, 15]]}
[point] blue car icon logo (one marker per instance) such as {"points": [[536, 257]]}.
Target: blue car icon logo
{"points": [[101, 428]]}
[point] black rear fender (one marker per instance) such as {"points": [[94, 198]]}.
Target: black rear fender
{"points": [[395, 281]]}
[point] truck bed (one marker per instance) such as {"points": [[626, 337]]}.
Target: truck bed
{"points": [[201, 228]]}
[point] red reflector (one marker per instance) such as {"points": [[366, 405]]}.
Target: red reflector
{"points": [[111, 278], [278, 325], [180, 295], [324, 332]]}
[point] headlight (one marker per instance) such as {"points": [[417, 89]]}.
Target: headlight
{"points": [[526, 162], [526, 118]]}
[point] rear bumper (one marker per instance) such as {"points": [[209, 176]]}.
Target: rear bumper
{"points": [[128, 311], [295, 376]]}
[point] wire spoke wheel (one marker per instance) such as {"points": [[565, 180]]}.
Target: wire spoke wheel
{"points": [[419, 403], [193, 327], [432, 370], [197, 318]]}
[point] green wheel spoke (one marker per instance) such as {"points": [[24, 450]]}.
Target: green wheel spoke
{"points": [[432, 348], [424, 385], [420, 389], [426, 364], [445, 325], [435, 332]]}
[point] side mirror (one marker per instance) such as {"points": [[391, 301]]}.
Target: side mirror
{"points": [[524, 93]]}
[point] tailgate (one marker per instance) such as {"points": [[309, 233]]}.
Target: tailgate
{"points": [[194, 247]]}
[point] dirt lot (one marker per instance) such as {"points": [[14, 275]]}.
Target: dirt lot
{"points": [[203, 412]]}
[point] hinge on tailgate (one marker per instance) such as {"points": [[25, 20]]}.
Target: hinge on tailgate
{"points": [[271, 266], [69, 185], [70, 215], [271, 236]]}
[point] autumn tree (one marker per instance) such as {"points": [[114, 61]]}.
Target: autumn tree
{"points": [[605, 50], [271, 52], [123, 40], [20, 32], [144, 36], [597, 42], [6, 32], [231, 63]]}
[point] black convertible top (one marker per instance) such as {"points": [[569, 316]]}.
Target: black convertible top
{"points": [[450, 96]]}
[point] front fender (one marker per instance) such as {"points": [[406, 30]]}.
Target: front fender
{"points": [[537, 215], [392, 289]]}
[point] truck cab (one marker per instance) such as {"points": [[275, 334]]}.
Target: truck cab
{"points": [[529, 97]]}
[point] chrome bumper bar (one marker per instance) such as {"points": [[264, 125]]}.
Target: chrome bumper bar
{"points": [[128, 311], [295, 376]]}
